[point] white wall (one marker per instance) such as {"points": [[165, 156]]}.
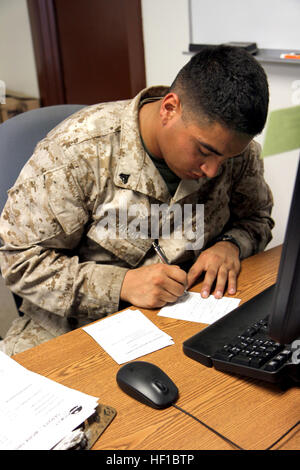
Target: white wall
{"points": [[166, 39], [17, 65], [166, 36], [280, 170]]}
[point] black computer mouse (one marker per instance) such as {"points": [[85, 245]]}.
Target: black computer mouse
{"points": [[148, 384]]}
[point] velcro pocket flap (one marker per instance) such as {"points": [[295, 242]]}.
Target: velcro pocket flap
{"points": [[132, 251], [66, 199]]}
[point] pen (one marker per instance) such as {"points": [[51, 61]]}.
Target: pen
{"points": [[162, 256], [160, 253]]}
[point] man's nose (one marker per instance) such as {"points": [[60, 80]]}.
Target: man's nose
{"points": [[211, 167]]}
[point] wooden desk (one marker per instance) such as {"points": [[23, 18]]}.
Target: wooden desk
{"points": [[250, 413]]}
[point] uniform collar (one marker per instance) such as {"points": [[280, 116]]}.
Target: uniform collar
{"points": [[135, 169]]}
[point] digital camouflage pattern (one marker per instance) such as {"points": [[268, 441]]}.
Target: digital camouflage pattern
{"points": [[54, 254], [23, 334]]}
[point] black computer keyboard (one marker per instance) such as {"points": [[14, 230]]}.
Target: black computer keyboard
{"points": [[239, 343], [254, 348]]}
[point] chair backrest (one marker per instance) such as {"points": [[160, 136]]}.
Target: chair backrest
{"points": [[19, 136]]}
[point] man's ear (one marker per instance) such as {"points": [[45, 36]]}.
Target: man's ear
{"points": [[170, 107]]}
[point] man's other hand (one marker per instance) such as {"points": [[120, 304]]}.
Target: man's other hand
{"points": [[221, 264]]}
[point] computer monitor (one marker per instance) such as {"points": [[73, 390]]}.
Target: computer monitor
{"points": [[284, 320]]}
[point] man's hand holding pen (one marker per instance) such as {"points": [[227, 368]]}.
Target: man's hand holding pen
{"points": [[153, 286], [156, 285]]}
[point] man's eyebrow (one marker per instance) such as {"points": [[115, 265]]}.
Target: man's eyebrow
{"points": [[210, 148]]}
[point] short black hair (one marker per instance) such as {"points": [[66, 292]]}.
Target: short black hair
{"points": [[224, 84]]}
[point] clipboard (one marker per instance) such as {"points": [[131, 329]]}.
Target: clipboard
{"points": [[85, 435]]}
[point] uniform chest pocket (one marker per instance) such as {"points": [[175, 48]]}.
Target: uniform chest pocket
{"points": [[132, 251], [65, 199]]}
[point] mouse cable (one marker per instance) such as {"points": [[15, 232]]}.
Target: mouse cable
{"points": [[208, 427], [226, 438], [281, 437]]}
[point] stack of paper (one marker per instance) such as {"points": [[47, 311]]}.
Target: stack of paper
{"points": [[35, 412]]}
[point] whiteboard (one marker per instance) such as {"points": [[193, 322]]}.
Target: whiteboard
{"points": [[272, 24]]}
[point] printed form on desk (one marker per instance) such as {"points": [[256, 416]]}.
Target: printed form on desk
{"points": [[35, 412], [128, 335], [192, 307]]}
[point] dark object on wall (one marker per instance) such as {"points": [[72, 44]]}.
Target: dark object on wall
{"points": [[87, 51], [251, 47]]}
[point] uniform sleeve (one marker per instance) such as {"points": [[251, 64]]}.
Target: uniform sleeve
{"points": [[251, 204], [41, 225]]}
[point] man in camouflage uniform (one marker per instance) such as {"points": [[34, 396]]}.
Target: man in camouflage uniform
{"points": [[189, 144]]}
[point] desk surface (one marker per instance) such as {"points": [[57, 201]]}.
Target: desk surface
{"points": [[250, 413]]}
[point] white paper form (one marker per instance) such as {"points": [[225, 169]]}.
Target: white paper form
{"points": [[128, 335], [36, 412], [192, 307]]}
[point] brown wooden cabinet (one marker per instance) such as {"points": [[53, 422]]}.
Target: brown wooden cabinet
{"points": [[87, 51]]}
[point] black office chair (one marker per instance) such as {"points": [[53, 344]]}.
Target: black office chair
{"points": [[18, 138]]}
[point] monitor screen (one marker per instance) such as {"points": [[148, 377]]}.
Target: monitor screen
{"points": [[284, 322]]}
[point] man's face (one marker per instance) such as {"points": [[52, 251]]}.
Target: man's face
{"points": [[192, 151]]}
